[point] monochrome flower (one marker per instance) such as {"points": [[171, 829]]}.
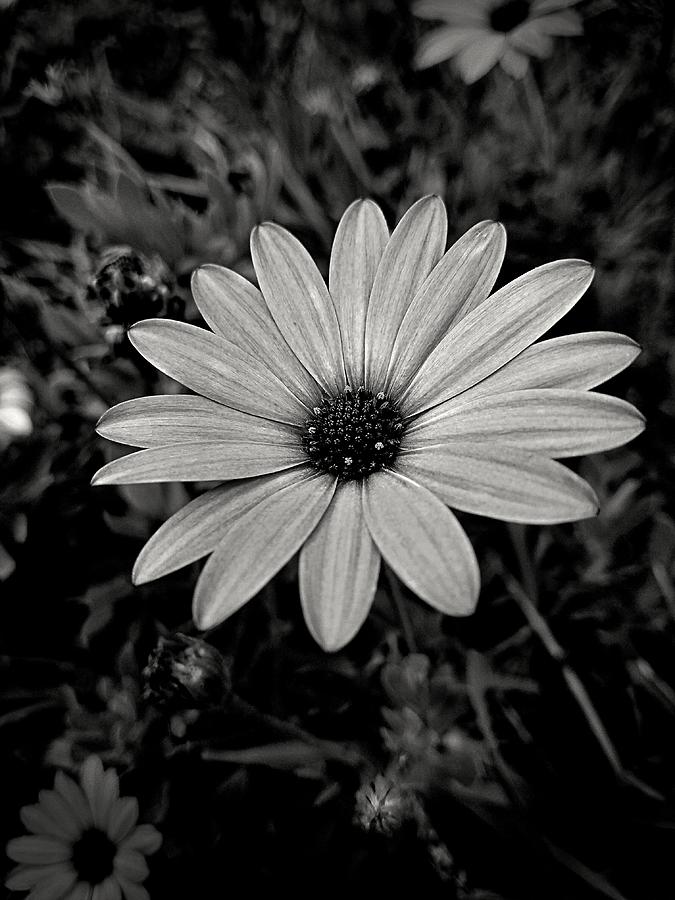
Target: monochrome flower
{"points": [[85, 843], [478, 34], [346, 419]]}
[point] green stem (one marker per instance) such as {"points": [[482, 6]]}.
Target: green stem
{"points": [[401, 611], [524, 557], [539, 119]]}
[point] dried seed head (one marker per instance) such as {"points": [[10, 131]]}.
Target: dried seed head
{"points": [[186, 672]]}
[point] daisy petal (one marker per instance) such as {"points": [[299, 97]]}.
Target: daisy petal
{"points": [[455, 12], [74, 797], [236, 310], [553, 422], [23, 878], [496, 331], [257, 545], [359, 242], [107, 890], [182, 418], [501, 482], [98, 789], [299, 301], [197, 529], [476, 60], [422, 541], [443, 43], [144, 838], [123, 817], [211, 461], [573, 361], [214, 368], [529, 38], [81, 891], [132, 891], [55, 887], [131, 864], [339, 565], [540, 7], [562, 24], [50, 816], [514, 63], [414, 248], [461, 281], [38, 849]]}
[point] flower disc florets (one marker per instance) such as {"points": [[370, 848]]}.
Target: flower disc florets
{"points": [[93, 856], [353, 434]]}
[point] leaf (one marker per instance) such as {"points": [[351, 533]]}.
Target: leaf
{"points": [[284, 755], [74, 205]]}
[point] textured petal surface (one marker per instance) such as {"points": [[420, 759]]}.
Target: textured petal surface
{"points": [[131, 890], [211, 461], [461, 281], [236, 310], [562, 24], [75, 798], [55, 820], [514, 63], [145, 838], [108, 889], [257, 545], [101, 789], [416, 245], [122, 818], [539, 7], [443, 43], [181, 418], [501, 482], [197, 529], [38, 849], [496, 331], [214, 368], [339, 565], [531, 39], [22, 878], [476, 60], [299, 301], [80, 891], [359, 242], [574, 361], [55, 887], [422, 541], [553, 422], [131, 864]]}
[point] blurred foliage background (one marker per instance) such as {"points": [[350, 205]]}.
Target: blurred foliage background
{"points": [[526, 752]]}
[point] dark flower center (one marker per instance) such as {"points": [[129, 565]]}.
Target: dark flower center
{"points": [[354, 434], [509, 15], [93, 856]]}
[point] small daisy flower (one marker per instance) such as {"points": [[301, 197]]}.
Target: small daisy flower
{"points": [[85, 843], [16, 406], [345, 419], [478, 34]]}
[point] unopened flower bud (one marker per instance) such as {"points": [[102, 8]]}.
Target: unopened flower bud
{"points": [[131, 286], [185, 672]]}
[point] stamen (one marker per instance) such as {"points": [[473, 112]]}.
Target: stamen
{"points": [[353, 434]]}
